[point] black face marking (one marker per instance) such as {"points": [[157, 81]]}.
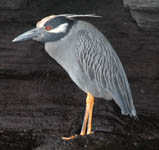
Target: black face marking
{"points": [[54, 23]]}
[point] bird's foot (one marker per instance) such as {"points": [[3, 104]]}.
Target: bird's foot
{"points": [[69, 138], [75, 136]]}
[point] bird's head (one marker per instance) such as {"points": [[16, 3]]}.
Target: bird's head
{"points": [[51, 28]]}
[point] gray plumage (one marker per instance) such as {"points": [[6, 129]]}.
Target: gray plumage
{"points": [[93, 65], [87, 56]]}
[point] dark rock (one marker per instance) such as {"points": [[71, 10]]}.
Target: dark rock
{"points": [[125, 2], [13, 4], [145, 13], [144, 4], [146, 19]]}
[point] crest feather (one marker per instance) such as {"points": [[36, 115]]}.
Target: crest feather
{"points": [[71, 16], [80, 15]]}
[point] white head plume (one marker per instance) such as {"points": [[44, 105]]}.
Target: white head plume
{"points": [[80, 15], [71, 16]]}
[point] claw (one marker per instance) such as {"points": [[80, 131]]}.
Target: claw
{"points": [[69, 138]]}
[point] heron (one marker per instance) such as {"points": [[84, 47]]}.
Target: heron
{"points": [[88, 58]]}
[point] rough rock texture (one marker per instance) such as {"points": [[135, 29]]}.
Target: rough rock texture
{"points": [[39, 103], [144, 4], [125, 2], [13, 4], [145, 12]]}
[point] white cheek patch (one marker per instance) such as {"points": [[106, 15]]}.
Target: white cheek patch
{"points": [[60, 28]]}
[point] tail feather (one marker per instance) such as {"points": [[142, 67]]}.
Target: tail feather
{"points": [[126, 105]]}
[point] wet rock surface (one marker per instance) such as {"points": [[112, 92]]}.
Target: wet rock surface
{"points": [[145, 13], [39, 103]]}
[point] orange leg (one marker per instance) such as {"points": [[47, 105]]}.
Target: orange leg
{"points": [[87, 117], [89, 126]]}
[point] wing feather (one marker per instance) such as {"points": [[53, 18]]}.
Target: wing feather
{"points": [[101, 64]]}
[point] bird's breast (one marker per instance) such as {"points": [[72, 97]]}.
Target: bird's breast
{"points": [[62, 54], [67, 59]]}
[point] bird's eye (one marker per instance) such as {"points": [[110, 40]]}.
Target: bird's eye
{"points": [[48, 28]]}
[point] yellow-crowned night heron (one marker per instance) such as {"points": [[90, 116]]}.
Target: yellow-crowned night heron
{"points": [[89, 59]]}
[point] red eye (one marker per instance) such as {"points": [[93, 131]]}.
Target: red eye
{"points": [[48, 28]]}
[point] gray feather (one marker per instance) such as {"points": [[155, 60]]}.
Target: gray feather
{"points": [[101, 64]]}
